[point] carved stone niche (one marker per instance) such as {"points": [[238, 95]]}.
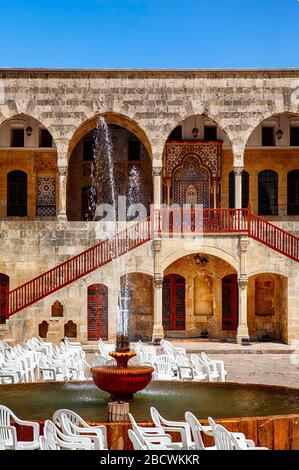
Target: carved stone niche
{"points": [[43, 329], [57, 310], [70, 329]]}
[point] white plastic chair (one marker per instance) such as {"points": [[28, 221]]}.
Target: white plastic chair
{"points": [[171, 350], [56, 440], [211, 368], [8, 435], [165, 368], [173, 426], [185, 368], [197, 429], [100, 361], [72, 424], [152, 435], [226, 440], [219, 365], [164, 441]]}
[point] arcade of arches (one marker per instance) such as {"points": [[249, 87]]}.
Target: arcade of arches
{"points": [[196, 168], [196, 299]]}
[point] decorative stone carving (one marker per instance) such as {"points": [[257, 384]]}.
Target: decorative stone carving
{"points": [[45, 163], [209, 155]]}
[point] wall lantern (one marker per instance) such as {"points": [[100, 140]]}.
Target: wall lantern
{"points": [[195, 130], [279, 134], [201, 260], [29, 131]]}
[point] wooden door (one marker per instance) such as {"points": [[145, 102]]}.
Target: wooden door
{"points": [[230, 302], [4, 291], [97, 312], [174, 302]]}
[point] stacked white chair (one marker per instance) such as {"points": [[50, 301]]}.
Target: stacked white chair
{"points": [[153, 436], [145, 354], [219, 365], [210, 367], [171, 350], [71, 424], [8, 434], [54, 439], [139, 444], [226, 440], [182, 428], [105, 349], [165, 368]]}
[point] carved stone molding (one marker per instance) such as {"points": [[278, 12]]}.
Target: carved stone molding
{"points": [[62, 170], [208, 153], [158, 281], [157, 170], [238, 170]]}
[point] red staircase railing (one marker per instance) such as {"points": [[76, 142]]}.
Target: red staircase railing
{"points": [[274, 237], [163, 221], [78, 266]]}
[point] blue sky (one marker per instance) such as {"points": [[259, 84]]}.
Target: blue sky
{"points": [[149, 33]]}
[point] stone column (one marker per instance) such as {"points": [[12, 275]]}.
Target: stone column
{"points": [[113, 293], [215, 194], [242, 332], [168, 183], [238, 187], [158, 330], [62, 170], [157, 171]]}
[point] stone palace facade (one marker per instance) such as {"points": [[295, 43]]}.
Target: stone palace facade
{"points": [[226, 140]]}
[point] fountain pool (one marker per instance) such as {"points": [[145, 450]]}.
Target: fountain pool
{"points": [[221, 400]]}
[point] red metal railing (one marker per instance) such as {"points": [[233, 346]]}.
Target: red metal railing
{"points": [[273, 237], [78, 266], [177, 220], [163, 221]]}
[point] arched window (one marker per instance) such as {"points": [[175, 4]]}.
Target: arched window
{"points": [[268, 192], [88, 202], [17, 194], [245, 189], [293, 192]]}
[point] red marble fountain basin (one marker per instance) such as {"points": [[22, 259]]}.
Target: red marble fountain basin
{"points": [[122, 382]]}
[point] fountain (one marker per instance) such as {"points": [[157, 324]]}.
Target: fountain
{"points": [[121, 380]]}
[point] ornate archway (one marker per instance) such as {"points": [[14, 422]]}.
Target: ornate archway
{"points": [[191, 183], [192, 173]]}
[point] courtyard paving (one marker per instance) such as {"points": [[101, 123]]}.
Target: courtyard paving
{"points": [[260, 363]]}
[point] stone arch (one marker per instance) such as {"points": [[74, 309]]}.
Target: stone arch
{"points": [[201, 293], [259, 118], [176, 120], [204, 249], [111, 118], [268, 306], [269, 269], [33, 118], [131, 155]]}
